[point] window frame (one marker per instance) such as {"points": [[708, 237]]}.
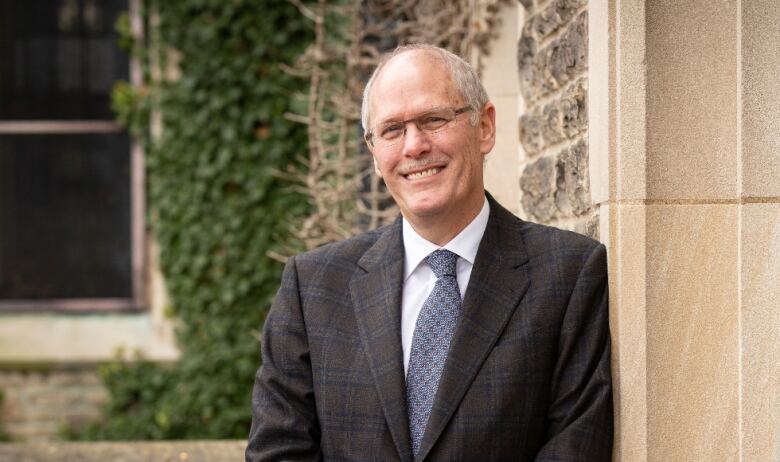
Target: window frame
{"points": [[139, 298]]}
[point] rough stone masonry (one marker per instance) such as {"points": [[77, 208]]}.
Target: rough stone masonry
{"points": [[552, 56], [38, 404]]}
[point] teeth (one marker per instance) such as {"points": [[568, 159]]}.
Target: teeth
{"points": [[424, 173]]}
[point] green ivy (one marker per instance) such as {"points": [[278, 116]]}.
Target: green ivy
{"points": [[216, 203], [4, 437]]}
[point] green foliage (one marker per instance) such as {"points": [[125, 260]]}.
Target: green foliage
{"points": [[122, 26], [215, 203], [4, 437], [132, 108]]}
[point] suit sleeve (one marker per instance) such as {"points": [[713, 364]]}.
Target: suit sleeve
{"points": [[580, 416], [284, 417]]}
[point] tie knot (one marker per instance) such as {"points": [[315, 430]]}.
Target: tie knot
{"points": [[442, 262]]}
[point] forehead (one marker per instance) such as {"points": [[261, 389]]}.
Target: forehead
{"points": [[411, 83]]}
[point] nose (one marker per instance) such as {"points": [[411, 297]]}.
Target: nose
{"points": [[415, 142]]}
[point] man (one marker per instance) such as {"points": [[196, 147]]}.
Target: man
{"points": [[459, 332]]}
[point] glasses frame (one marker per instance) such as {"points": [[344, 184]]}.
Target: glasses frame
{"points": [[369, 135]]}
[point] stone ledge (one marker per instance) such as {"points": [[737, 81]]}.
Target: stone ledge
{"points": [[140, 451]]}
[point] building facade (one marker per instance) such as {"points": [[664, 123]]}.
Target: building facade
{"points": [[653, 126]]}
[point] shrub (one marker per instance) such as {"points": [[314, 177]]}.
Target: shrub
{"points": [[215, 205]]}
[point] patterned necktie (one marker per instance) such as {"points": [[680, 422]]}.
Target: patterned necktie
{"points": [[431, 341]]}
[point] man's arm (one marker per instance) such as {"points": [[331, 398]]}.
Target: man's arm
{"points": [[580, 413], [284, 417]]}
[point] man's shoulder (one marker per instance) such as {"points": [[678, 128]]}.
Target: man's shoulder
{"points": [[541, 239], [347, 250], [331, 267], [558, 256], [558, 250], [537, 240]]}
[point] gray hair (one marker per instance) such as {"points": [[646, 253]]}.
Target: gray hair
{"points": [[463, 76]]}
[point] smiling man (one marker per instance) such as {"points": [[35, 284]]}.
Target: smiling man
{"points": [[459, 332]]}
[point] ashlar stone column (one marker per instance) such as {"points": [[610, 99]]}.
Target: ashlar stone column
{"points": [[684, 117]]}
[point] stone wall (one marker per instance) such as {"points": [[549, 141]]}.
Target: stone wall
{"points": [[552, 55], [658, 123], [684, 100], [38, 404]]}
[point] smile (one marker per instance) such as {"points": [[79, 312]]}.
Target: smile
{"points": [[423, 174]]}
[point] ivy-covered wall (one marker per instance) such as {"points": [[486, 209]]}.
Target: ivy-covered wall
{"points": [[216, 206]]}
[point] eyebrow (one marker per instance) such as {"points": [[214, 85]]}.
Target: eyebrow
{"points": [[391, 120]]}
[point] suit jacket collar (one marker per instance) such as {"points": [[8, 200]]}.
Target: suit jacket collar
{"points": [[498, 281], [376, 297]]}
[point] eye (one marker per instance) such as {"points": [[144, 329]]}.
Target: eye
{"points": [[432, 122], [391, 131]]}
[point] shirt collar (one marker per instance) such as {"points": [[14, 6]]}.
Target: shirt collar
{"points": [[465, 244]]}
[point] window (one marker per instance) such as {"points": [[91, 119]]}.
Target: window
{"points": [[71, 182]]}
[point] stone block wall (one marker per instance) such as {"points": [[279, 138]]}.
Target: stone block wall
{"points": [[552, 56], [38, 404]]}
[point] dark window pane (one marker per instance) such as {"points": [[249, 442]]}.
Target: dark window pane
{"points": [[65, 216], [59, 58]]}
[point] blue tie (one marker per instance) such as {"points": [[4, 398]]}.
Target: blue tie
{"points": [[431, 341]]}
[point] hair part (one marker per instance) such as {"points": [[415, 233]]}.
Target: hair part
{"points": [[463, 75]]}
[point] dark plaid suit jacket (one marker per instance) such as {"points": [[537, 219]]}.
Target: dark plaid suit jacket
{"points": [[527, 377]]}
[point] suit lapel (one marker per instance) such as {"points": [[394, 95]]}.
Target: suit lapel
{"points": [[498, 282], [376, 296]]}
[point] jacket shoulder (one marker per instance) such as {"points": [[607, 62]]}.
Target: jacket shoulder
{"points": [[557, 246], [345, 252], [538, 241]]}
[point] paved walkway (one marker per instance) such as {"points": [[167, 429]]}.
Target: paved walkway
{"points": [[141, 451]]}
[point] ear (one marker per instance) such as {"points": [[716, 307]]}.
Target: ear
{"points": [[373, 157], [487, 128]]}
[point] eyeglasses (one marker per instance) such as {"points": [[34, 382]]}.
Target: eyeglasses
{"points": [[389, 133]]}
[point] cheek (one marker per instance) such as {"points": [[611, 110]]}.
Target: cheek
{"points": [[382, 166], [473, 167]]}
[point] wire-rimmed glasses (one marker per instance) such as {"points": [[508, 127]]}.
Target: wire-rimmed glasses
{"points": [[388, 134]]}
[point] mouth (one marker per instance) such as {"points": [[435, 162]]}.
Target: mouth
{"points": [[423, 173]]}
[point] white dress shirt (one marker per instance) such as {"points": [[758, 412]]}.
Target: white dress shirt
{"points": [[419, 278]]}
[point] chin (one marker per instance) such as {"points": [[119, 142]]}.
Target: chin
{"points": [[425, 208]]}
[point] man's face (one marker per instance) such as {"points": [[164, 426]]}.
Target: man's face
{"points": [[431, 176]]}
